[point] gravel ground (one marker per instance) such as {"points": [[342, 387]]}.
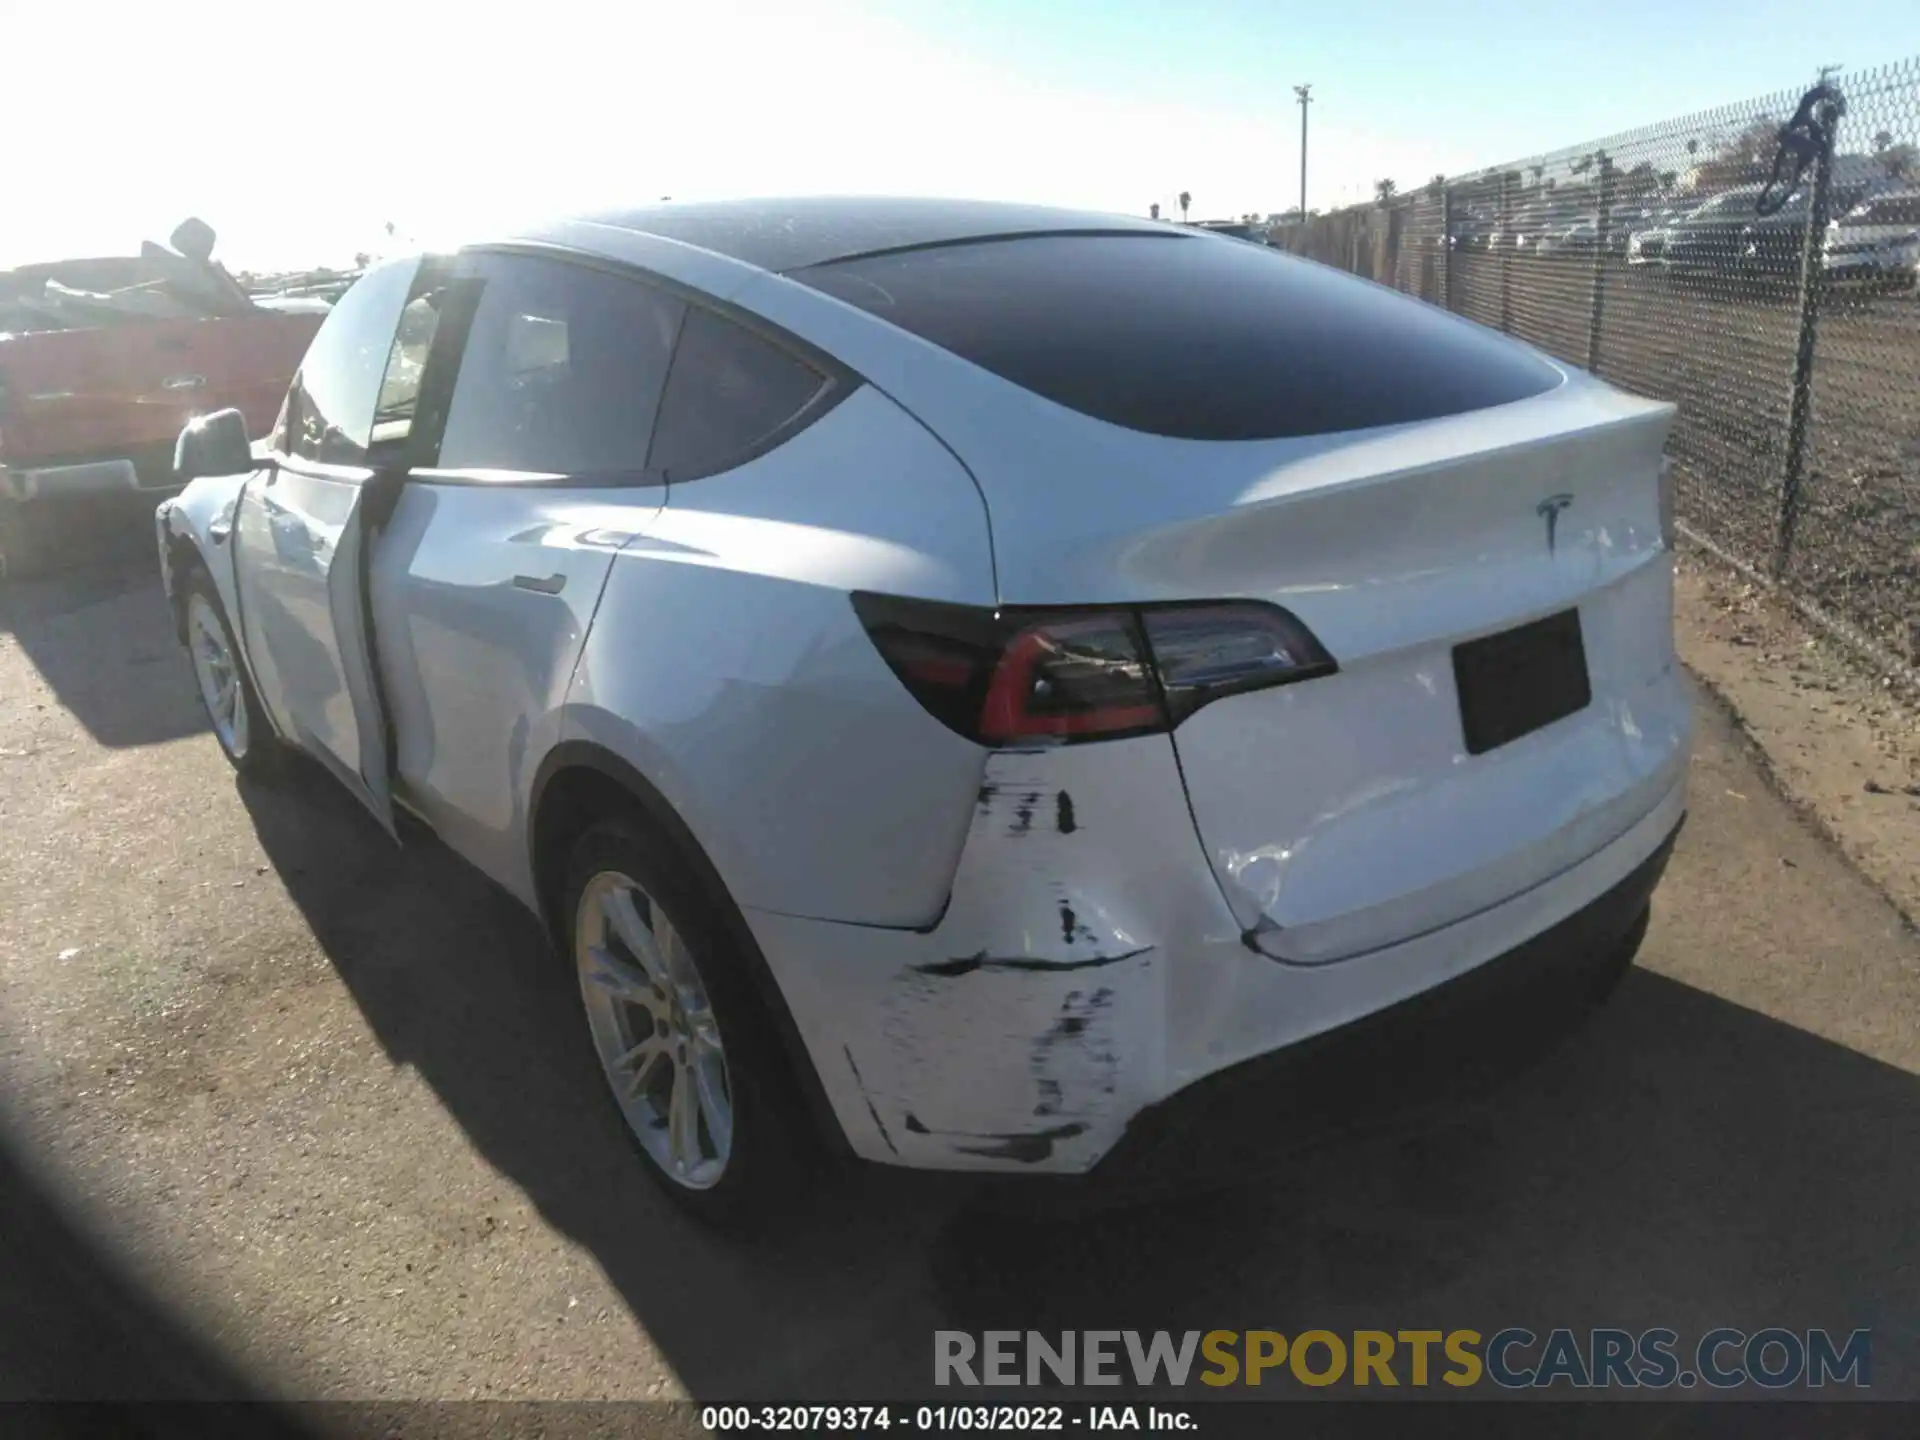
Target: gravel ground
{"points": [[329, 1097]]}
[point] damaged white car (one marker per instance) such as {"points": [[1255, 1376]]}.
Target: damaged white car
{"points": [[991, 688]]}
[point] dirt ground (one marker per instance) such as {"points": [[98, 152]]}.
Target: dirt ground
{"points": [[1843, 745], [329, 1098]]}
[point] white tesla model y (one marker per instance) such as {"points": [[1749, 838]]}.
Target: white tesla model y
{"points": [[998, 689]]}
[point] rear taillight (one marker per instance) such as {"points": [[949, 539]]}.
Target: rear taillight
{"points": [[1203, 652], [1025, 676], [1078, 677]]}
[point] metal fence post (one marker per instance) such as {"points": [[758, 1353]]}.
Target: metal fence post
{"points": [[1800, 400], [1446, 247], [1602, 215], [1504, 234]]}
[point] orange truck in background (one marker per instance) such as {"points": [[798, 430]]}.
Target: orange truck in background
{"points": [[102, 361]]}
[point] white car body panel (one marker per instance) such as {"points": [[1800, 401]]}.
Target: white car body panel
{"points": [[996, 958], [773, 738], [482, 597], [201, 515], [297, 548]]}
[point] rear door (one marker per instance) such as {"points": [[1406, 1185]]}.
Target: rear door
{"points": [[487, 573], [300, 525]]}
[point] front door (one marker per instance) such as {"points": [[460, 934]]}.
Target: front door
{"points": [[299, 534]]}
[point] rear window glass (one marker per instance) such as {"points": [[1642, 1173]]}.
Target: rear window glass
{"points": [[728, 393], [1187, 336]]}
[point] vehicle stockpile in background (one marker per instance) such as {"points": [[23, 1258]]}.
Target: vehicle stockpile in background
{"points": [[1770, 288]]}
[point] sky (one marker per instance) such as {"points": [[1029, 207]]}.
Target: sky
{"points": [[299, 131]]}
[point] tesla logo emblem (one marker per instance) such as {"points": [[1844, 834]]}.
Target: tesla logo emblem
{"points": [[1549, 510]]}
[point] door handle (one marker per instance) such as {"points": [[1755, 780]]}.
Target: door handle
{"points": [[551, 585]]}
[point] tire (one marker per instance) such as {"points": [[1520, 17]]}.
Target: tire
{"points": [[708, 1041], [234, 713]]}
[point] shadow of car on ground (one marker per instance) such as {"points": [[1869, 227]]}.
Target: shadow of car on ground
{"points": [[101, 635], [1681, 1162]]}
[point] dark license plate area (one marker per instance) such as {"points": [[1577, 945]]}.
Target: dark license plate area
{"points": [[1512, 683]]}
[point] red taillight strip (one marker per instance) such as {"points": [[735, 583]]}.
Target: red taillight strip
{"points": [[1006, 716], [975, 669]]}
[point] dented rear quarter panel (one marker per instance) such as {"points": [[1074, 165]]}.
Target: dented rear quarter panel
{"points": [[1029, 1024]]}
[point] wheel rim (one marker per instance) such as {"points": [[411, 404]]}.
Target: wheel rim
{"points": [[654, 1029], [218, 676]]}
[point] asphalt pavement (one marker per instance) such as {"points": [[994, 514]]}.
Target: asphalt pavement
{"points": [[328, 1098]]}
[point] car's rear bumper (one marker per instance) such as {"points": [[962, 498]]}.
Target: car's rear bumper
{"points": [[1088, 977], [1397, 1067]]}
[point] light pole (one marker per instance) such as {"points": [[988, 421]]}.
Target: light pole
{"points": [[1303, 91]]}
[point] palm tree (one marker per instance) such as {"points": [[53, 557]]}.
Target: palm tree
{"points": [[1383, 191], [1185, 200]]}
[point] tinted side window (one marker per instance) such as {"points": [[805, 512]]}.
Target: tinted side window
{"points": [[730, 390], [562, 372], [400, 388], [331, 410], [1190, 336]]}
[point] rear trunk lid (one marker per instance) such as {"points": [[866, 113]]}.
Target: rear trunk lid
{"points": [[1350, 812]]}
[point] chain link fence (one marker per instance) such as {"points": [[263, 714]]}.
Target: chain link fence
{"points": [[1789, 337]]}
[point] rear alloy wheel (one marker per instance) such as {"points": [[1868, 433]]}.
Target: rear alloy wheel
{"points": [[232, 708], [655, 1031], [691, 1057]]}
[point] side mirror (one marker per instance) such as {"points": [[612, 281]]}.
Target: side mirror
{"points": [[213, 444]]}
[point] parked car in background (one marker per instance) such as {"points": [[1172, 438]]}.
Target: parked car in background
{"points": [[1710, 239], [1235, 230], [1534, 227], [1877, 242], [1473, 229], [1583, 236], [1646, 244], [959, 680], [103, 360], [1728, 236]]}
